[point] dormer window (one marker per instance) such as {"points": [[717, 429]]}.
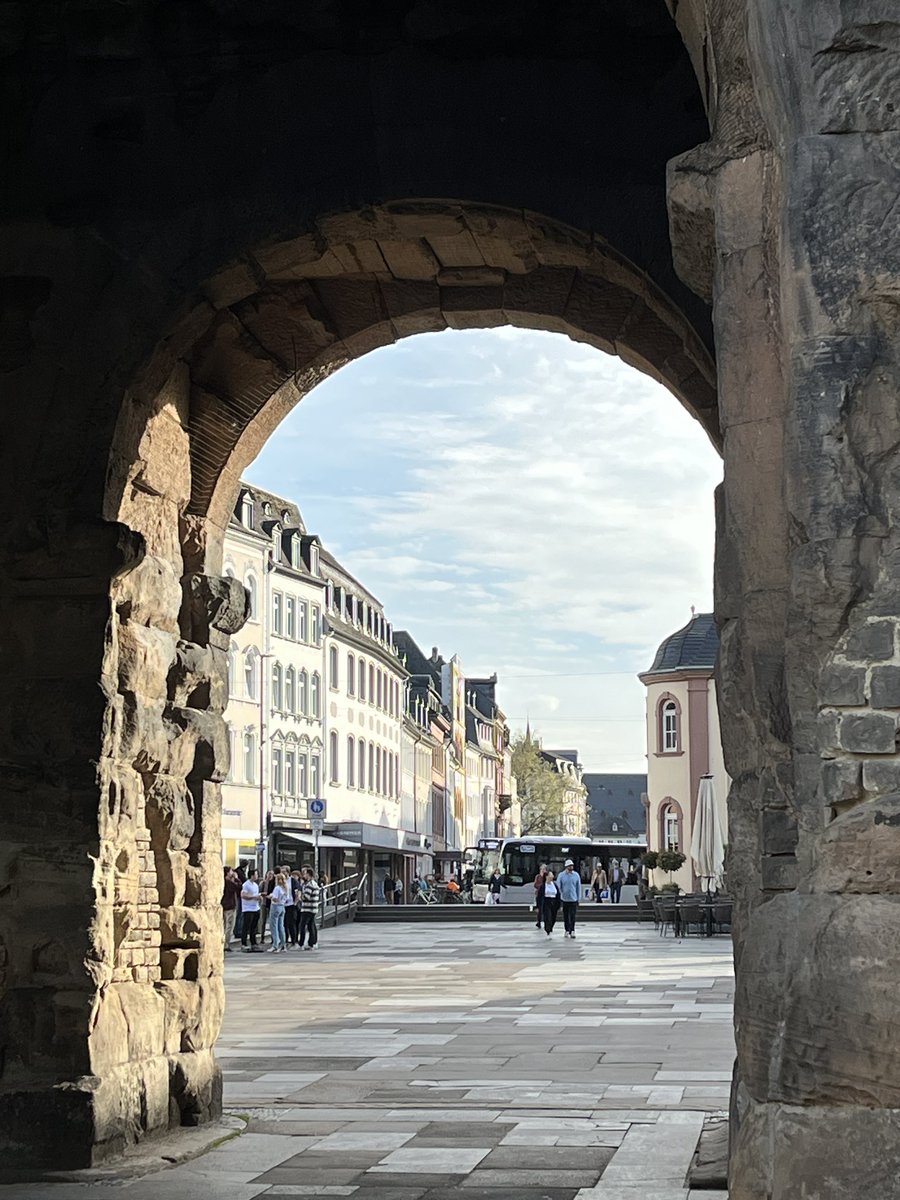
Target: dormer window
{"points": [[267, 508], [285, 516], [313, 558], [247, 510], [296, 555]]}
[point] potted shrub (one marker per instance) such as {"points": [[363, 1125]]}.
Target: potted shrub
{"points": [[670, 860], [650, 860]]}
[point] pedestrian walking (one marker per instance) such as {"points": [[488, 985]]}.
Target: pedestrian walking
{"points": [[398, 890], [231, 896], [539, 880], [309, 908], [599, 883], [569, 886], [388, 888], [550, 902], [278, 898], [250, 904], [494, 886], [616, 879]]}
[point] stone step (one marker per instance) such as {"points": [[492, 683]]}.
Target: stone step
{"points": [[427, 914]]}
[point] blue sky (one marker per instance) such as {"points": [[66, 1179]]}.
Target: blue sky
{"points": [[522, 500]]}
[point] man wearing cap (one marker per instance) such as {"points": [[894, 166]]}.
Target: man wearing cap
{"points": [[569, 884]]}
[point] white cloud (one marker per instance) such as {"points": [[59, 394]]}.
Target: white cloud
{"points": [[553, 511]]}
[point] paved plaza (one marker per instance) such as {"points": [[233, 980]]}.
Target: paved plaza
{"points": [[488, 1062]]}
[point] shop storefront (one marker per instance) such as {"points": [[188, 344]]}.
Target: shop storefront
{"points": [[387, 854], [338, 857]]}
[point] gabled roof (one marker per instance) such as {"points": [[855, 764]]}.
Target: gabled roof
{"points": [[694, 647], [616, 798]]}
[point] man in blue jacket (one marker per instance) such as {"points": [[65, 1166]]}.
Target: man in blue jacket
{"points": [[569, 884]]}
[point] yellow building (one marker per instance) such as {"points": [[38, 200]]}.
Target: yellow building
{"points": [[683, 739]]}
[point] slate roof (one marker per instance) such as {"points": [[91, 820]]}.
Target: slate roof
{"points": [[692, 648], [616, 798]]}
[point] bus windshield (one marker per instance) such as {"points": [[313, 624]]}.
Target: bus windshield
{"points": [[522, 861]]}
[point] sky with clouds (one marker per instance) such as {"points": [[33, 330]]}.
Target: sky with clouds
{"points": [[522, 500]]}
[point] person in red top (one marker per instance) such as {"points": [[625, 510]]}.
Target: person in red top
{"points": [[539, 880], [231, 892]]}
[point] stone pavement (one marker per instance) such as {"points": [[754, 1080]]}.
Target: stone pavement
{"points": [[483, 1062]]}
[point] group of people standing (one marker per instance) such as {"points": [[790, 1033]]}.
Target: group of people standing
{"points": [[286, 901], [552, 892]]}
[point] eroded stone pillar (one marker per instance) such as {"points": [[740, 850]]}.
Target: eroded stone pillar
{"points": [[807, 275], [110, 869]]}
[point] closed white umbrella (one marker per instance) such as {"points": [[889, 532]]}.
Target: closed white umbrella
{"points": [[708, 836]]}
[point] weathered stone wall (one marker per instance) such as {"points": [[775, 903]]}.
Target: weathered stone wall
{"points": [[796, 194]]}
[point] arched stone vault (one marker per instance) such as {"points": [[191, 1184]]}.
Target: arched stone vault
{"points": [[291, 312]]}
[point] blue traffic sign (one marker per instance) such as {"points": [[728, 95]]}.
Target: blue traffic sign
{"points": [[317, 808]]}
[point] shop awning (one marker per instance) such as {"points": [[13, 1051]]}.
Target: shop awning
{"points": [[326, 841]]}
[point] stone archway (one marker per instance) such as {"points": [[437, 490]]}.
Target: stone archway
{"points": [[154, 155], [276, 323]]}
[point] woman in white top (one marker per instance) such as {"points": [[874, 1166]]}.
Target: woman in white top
{"points": [[551, 902], [278, 898]]}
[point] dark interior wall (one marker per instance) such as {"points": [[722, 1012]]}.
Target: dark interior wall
{"points": [[233, 123]]}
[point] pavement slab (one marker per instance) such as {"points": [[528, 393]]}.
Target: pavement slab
{"points": [[476, 1062]]}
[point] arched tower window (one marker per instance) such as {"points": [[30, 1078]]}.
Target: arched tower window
{"points": [[671, 825], [668, 725]]}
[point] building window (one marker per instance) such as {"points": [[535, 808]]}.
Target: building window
{"points": [[389, 786], [277, 605], [303, 781], [290, 618], [333, 756], [232, 669], [315, 694], [314, 624], [250, 757], [313, 558], [247, 510], [290, 773], [377, 769], [396, 776], [277, 771], [351, 761], [278, 687], [251, 673], [671, 831], [362, 763], [296, 557], [669, 725], [351, 675], [371, 775], [315, 775], [303, 618], [371, 683], [303, 693], [333, 667], [290, 691], [250, 585], [381, 689], [362, 679]]}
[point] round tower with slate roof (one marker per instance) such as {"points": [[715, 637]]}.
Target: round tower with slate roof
{"points": [[683, 739]]}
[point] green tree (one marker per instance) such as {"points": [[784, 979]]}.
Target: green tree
{"points": [[541, 789]]}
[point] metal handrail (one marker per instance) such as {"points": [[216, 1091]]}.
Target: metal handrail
{"points": [[341, 894]]}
